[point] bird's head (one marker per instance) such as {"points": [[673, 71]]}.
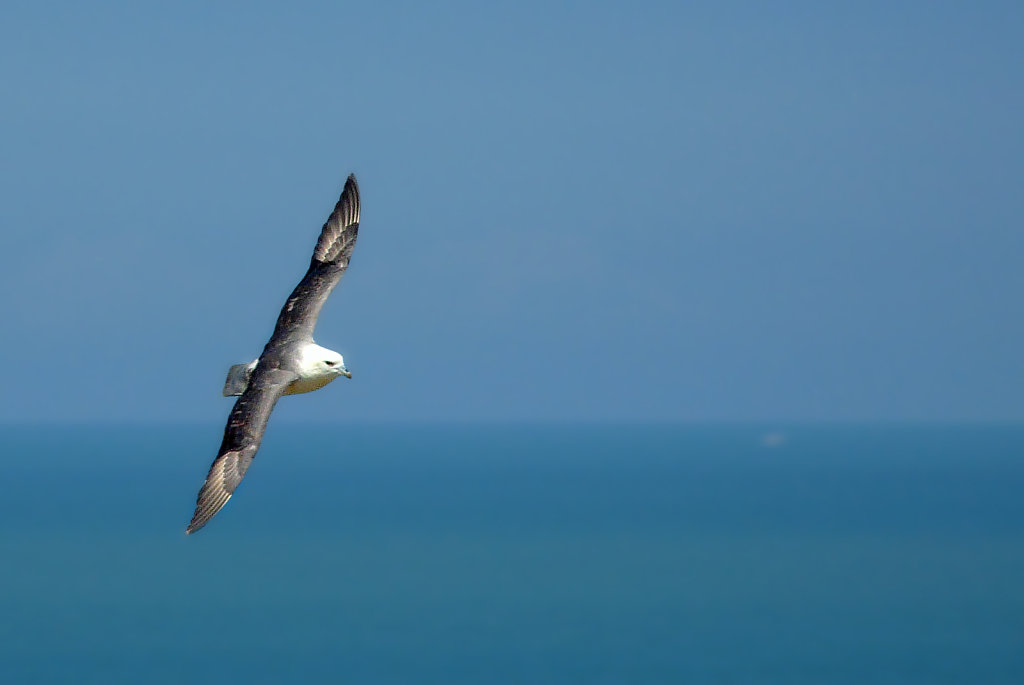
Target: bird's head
{"points": [[335, 363]]}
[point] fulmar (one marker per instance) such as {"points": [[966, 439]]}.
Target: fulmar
{"points": [[291, 362]]}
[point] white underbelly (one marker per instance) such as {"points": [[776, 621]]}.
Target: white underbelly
{"points": [[308, 384]]}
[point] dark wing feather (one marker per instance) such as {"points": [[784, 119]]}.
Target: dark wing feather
{"points": [[330, 259], [242, 438]]}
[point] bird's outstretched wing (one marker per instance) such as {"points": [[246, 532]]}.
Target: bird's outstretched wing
{"points": [[298, 317], [242, 438]]}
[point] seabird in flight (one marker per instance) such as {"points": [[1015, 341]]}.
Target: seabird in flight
{"points": [[291, 362]]}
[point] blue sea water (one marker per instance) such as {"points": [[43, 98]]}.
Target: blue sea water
{"points": [[517, 554]]}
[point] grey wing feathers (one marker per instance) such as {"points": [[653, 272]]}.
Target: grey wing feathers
{"points": [[338, 236], [242, 438], [225, 475], [330, 260]]}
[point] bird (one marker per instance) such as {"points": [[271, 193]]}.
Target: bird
{"points": [[291, 362]]}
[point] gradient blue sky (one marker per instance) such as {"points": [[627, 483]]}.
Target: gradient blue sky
{"points": [[663, 211]]}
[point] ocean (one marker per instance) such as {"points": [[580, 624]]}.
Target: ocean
{"points": [[517, 554]]}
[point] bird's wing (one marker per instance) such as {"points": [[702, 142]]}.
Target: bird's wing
{"points": [[242, 438], [330, 259]]}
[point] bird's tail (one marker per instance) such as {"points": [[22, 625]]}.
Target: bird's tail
{"points": [[238, 379]]}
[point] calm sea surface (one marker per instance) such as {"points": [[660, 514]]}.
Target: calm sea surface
{"points": [[530, 554]]}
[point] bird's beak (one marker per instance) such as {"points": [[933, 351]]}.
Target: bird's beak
{"points": [[346, 373]]}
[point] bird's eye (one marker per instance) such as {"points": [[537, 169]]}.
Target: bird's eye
{"points": [[330, 362]]}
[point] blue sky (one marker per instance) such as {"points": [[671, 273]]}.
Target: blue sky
{"points": [[585, 211]]}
